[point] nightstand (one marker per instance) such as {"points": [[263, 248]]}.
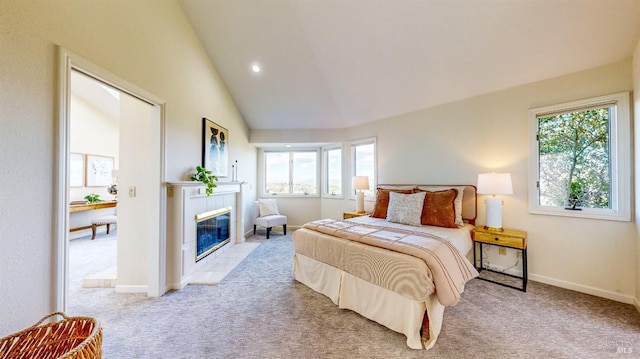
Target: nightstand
{"points": [[509, 238], [354, 214]]}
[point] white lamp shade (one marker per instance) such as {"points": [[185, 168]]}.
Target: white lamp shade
{"points": [[495, 183], [360, 182]]}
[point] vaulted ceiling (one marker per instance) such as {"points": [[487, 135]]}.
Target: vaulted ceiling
{"points": [[340, 63]]}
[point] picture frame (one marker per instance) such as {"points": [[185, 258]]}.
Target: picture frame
{"points": [[215, 148], [76, 170], [98, 170]]}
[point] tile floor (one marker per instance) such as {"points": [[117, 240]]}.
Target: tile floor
{"points": [[92, 263]]}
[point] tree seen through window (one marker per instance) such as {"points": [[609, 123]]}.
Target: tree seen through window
{"points": [[574, 159]]}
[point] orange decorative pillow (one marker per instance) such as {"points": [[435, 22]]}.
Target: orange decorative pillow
{"points": [[439, 208], [382, 202]]}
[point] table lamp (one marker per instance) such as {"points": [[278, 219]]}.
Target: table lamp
{"points": [[360, 183], [493, 184]]}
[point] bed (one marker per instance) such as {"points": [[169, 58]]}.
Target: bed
{"points": [[389, 268]]}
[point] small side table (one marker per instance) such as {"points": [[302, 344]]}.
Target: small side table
{"points": [[509, 238], [354, 214]]}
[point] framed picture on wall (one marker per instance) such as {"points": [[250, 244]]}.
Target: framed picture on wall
{"points": [[76, 170], [98, 170], [215, 148]]}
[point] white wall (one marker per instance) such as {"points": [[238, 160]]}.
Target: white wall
{"points": [[636, 101], [452, 143], [137, 215], [148, 43], [92, 132]]}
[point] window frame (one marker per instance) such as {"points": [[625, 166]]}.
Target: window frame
{"points": [[619, 151], [374, 182], [290, 194], [325, 172]]}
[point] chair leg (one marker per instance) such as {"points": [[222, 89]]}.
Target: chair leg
{"points": [[284, 227], [108, 228], [254, 229], [93, 231], [268, 231]]}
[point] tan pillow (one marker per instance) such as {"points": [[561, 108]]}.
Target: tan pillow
{"points": [[460, 189], [439, 208], [382, 202]]}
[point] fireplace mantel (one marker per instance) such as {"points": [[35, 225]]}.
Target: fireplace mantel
{"points": [[186, 199]]}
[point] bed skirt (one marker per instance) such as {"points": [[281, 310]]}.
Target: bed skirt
{"points": [[394, 311]]}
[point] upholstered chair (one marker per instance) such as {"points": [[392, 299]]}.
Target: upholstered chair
{"points": [[266, 215]]}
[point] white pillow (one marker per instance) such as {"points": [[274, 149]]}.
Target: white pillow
{"points": [[405, 208], [457, 203], [268, 207]]}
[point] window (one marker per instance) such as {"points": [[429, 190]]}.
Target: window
{"points": [[332, 158], [580, 159], [363, 159], [291, 173]]}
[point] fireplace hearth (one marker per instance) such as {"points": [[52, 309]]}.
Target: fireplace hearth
{"points": [[213, 230]]}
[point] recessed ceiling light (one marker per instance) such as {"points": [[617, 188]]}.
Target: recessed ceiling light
{"points": [[287, 145], [255, 68]]}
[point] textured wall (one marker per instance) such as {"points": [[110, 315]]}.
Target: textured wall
{"points": [[150, 44], [454, 142], [636, 128]]}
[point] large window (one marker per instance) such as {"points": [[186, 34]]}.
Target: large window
{"points": [[332, 158], [291, 173], [363, 159], [581, 162]]}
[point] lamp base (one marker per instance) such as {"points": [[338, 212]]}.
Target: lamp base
{"points": [[494, 214], [360, 202]]}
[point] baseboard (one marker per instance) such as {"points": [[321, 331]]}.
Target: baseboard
{"points": [[132, 288], [618, 297]]}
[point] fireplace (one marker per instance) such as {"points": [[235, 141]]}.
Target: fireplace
{"points": [[213, 230]]}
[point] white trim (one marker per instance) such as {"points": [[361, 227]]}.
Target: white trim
{"points": [[324, 171], [620, 160], [68, 61], [371, 140], [262, 165], [132, 289], [618, 297]]}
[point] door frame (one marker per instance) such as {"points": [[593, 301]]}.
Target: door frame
{"points": [[67, 62]]}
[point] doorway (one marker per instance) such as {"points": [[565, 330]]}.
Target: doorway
{"points": [[140, 173], [94, 132]]}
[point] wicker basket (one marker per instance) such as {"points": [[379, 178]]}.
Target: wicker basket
{"points": [[71, 337]]}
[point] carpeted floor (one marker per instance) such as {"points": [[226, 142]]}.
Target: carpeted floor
{"points": [[260, 311]]}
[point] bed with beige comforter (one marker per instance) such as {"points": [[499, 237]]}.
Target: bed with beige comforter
{"points": [[397, 275]]}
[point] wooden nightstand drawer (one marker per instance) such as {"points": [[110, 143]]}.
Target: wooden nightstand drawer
{"points": [[501, 239], [347, 215]]}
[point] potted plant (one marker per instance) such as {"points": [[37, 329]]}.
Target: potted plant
{"points": [[93, 198], [204, 175]]}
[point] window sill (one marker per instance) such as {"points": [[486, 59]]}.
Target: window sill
{"points": [[608, 215], [289, 196]]}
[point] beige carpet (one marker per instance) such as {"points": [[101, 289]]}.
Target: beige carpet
{"points": [[260, 311]]}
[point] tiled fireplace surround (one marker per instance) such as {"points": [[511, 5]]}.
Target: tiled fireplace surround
{"points": [[185, 200]]}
